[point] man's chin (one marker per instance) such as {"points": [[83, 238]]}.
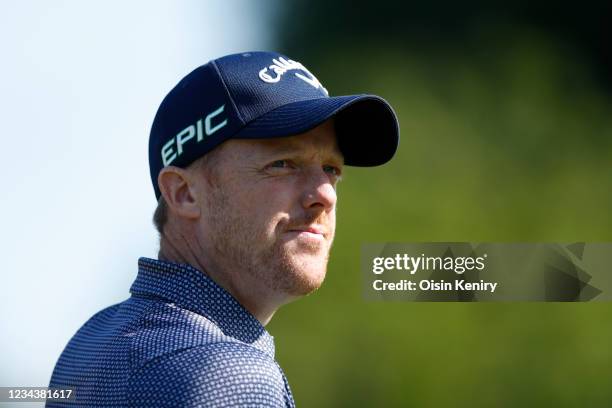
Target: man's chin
{"points": [[306, 276]]}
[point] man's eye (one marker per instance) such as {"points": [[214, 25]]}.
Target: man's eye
{"points": [[332, 170], [279, 164]]}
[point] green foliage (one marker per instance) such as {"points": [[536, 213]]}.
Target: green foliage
{"points": [[511, 144]]}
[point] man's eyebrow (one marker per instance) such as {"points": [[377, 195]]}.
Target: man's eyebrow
{"points": [[294, 148], [283, 148]]}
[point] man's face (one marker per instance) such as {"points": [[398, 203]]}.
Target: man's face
{"points": [[270, 215]]}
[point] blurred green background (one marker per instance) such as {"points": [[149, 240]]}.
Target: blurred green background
{"points": [[506, 124]]}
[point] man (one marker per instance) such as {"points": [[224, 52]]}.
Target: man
{"points": [[245, 154]]}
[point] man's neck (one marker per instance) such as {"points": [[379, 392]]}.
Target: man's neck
{"points": [[262, 311]]}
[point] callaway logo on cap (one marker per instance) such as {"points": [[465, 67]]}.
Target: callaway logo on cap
{"points": [[257, 95]]}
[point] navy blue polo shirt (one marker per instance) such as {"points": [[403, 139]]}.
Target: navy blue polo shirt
{"points": [[179, 340]]}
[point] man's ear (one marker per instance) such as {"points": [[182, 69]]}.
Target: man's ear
{"points": [[178, 191]]}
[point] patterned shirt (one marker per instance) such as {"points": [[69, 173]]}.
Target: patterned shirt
{"points": [[180, 340]]}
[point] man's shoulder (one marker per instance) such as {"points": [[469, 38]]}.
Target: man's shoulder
{"points": [[224, 356], [137, 331], [222, 373], [142, 349], [166, 328]]}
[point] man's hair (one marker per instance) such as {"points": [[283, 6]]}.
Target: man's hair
{"points": [[160, 216], [205, 165]]}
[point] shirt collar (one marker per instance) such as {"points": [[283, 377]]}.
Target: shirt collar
{"points": [[188, 287]]}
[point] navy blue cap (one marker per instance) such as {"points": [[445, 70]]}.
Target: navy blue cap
{"points": [[256, 95]]}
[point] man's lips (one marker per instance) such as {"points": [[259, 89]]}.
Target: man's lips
{"points": [[313, 229]]}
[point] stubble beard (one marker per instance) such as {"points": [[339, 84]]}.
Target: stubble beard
{"points": [[278, 267]]}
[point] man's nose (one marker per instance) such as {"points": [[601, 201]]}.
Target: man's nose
{"points": [[319, 190]]}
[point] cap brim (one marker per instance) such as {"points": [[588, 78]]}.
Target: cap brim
{"points": [[366, 126]]}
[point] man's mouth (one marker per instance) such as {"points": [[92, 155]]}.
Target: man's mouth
{"points": [[311, 232]]}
